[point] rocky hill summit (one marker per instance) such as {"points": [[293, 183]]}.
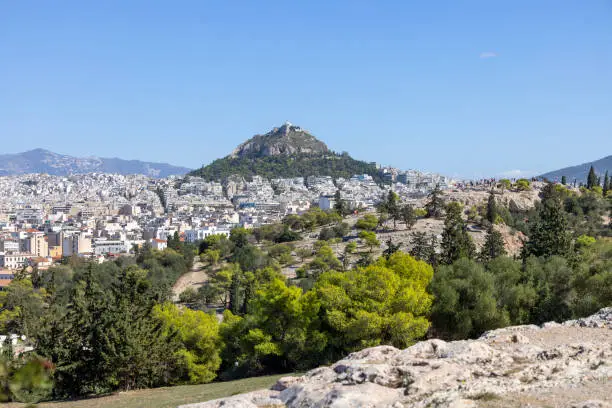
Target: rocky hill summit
{"points": [[285, 152], [555, 365], [285, 140]]}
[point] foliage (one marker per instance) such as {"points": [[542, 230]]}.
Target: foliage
{"points": [[368, 222], [408, 215], [105, 337], [24, 378], [465, 304], [198, 334], [456, 243], [548, 235], [424, 248], [287, 166], [522, 185], [384, 303], [493, 246], [591, 179], [279, 334], [370, 239], [491, 208], [435, 204]]}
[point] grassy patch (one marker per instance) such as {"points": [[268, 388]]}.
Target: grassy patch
{"points": [[166, 397], [485, 396]]}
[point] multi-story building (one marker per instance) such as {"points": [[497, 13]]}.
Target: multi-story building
{"points": [[15, 260], [35, 243], [76, 243], [107, 246]]}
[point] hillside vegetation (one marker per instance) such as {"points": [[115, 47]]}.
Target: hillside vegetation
{"points": [[101, 328]]}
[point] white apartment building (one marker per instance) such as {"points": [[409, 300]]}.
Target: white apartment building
{"points": [[15, 260], [202, 233], [106, 246]]}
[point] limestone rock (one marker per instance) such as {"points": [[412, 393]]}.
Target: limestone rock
{"points": [[531, 362]]}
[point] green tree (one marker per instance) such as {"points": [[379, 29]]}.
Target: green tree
{"points": [[212, 256], [384, 303], [491, 208], [563, 180], [548, 235], [280, 333], [515, 293], [346, 256], [408, 215], [369, 238], [368, 222], [339, 204], [522, 184], [198, 357], [435, 204], [606, 185], [423, 248], [24, 378], [303, 253], [391, 248], [21, 308], [493, 246], [504, 184], [465, 305], [107, 338], [456, 242], [591, 178]]}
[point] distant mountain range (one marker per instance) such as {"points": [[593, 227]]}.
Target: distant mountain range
{"points": [[283, 152], [580, 172], [44, 161]]}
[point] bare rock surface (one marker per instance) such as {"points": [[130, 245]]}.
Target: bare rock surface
{"points": [[557, 365]]}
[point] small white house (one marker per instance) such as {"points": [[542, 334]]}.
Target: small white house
{"points": [[159, 244]]}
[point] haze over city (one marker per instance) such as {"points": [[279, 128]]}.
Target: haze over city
{"points": [[474, 89]]}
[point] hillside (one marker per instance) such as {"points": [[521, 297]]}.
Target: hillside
{"points": [[288, 151], [44, 161], [580, 172], [553, 365]]}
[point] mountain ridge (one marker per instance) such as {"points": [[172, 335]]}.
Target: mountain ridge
{"points": [[580, 171], [45, 161]]}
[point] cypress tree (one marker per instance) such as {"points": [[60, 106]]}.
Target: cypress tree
{"points": [[491, 208], [493, 246], [563, 180], [456, 243], [606, 184], [591, 179], [549, 236], [435, 204]]}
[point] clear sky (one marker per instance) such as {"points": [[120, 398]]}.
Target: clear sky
{"points": [[469, 88]]}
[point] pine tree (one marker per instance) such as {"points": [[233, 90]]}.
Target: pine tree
{"points": [[563, 180], [435, 205], [491, 208], [591, 179], [548, 236], [606, 184], [421, 247], [408, 215], [339, 204], [391, 248], [493, 246], [456, 243]]}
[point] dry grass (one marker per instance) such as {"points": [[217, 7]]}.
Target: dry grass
{"points": [[167, 397]]}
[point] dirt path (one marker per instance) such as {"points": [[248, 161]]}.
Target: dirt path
{"points": [[195, 278]]}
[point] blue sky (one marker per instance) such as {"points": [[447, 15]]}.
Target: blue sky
{"points": [[469, 88]]}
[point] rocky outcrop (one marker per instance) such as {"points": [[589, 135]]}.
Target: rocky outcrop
{"points": [[285, 140], [561, 365]]}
